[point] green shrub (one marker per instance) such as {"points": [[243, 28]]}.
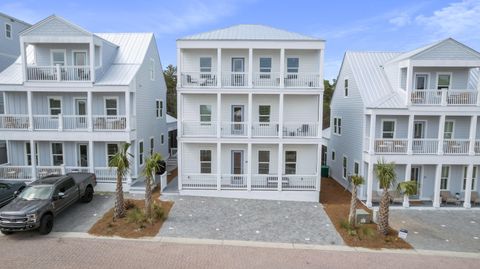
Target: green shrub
{"points": [[129, 204], [137, 216], [158, 212], [368, 231]]}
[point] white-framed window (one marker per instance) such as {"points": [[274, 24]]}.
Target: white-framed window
{"points": [[162, 139], [333, 155], [448, 131], [28, 153], [388, 129], [159, 108], [444, 178], [293, 64], [111, 106], [421, 81], [264, 113], [205, 113], [344, 166], [337, 126], [345, 86], [55, 106], [205, 161], [444, 81], [290, 162], [265, 67], [152, 145], [152, 69], [263, 162], [206, 64], [57, 154], [474, 178], [356, 168], [8, 31], [112, 149], [140, 152], [58, 57]]}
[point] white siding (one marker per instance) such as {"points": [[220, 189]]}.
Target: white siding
{"points": [[449, 50], [191, 157], [191, 106], [300, 108], [191, 59]]}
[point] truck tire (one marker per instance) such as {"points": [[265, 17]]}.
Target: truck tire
{"points": [[88, 196], [6, 232], [46, 224]]}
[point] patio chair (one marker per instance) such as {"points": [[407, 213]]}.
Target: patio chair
{"points": [[475, 199], [448, 198]]}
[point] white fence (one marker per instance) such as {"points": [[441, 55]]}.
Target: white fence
{"points": [[265, 129], [234, 129], [456, 146], [76, 169], [425, 146], [229, 181], [107, 174], [196, 128], [264, 182], [199, 181], [302, 80], [293, 129], [299, 182], [12, 121], [43, 171], [266, 80], [12, 172], [199, 79], [51, 73]]}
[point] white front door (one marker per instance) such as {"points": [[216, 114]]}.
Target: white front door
{"points": [[81, 112], [82, 158], [237, 120], [238, 69], [237, 167]]}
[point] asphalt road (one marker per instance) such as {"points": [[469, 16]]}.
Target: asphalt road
{"points": [[49, 252]]}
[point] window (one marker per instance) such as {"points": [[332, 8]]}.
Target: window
{"points": [[333, 155], [58, 57], [205, 64], [8, 31], [265, 67], [292, 65], [140, 152], [474, 178], [344, 165], [57, 154], [263, 162], [421, 81], [55, 106], [205, 161], [356, 168], [264, 113], [448, 131], [346, 87], [111, 108], [444, 178], [152, 69], [162, 139], [388, 129], [159, 108], [337, 126], [28, 153], [205, 113], [290, 162], [443, 81], [112, 149], [152, 145]]}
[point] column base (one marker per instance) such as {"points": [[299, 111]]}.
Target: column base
{"points": [[467, 205]]}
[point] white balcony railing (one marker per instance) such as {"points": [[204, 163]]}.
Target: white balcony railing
{"points": [[107, 174], [12, 121], [51, 73], [199, 79], [76, 169], [235, 79], [234, 129], [43, 171], [199, 181], [13, 172], [302, 80], [461, 97], [266, 80], [196, 128], [75, 122], [477, 147], [229, 181], [265, 129], [46, 122], [425, 146], [264, 182], [444, 97], [394, 146], [456, 146], [299, 182], [295, 129], [109, 123]]}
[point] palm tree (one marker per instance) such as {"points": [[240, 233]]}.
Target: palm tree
{"points": [[355, 181], [152, 165], [121, 161], [386, 176], [407, 188]]}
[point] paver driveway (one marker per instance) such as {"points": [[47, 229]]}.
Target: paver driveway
{"points": [[453, 230], [253, 220]]}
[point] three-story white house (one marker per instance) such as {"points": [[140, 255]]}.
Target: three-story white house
{"points": [[73, 97], [250, 113], [419, 109]]}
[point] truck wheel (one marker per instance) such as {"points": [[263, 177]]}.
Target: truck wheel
{"points": [[6, 232], [88, 196], [46, 224]]}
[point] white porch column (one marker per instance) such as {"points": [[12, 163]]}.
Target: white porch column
{"points": [[30, 110], [89, 111], [280, 166], [468, 187], [179, 164], [179, 69], [127, 111], [409, 85], [473, 130], [129, 174], [90, 157], [23, 54], [320, 67], [92, 60], [373, 122], [410, 130], [319, 166], [436, 191], [250, 116], [250, 68], [441, 130], [369, 184], [408, 177], [179, 114], [249, 167], [219, 166], [320, 116], [280, 115], [33, 151], [282, 68], [219, 67], [219, 115], [444, 97]]}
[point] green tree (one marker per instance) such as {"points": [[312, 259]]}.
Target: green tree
{"points": [[407, 188], [327, 99], [386, 176], [355, 181], [152, 165], [170, 74], [121, 161]]}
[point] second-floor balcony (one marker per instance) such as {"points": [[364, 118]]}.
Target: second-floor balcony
{"points": [[58, 73], [445, 97], [425, 146]]}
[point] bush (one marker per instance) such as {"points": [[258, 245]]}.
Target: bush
{"points": [[158, 212], [129, 204], [368, 231], [136, 215]]}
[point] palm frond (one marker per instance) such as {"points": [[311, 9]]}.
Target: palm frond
{"points": [[407, 188], [386, 174]]}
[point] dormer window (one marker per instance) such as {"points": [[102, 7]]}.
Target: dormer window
{"points": [[58, 57], [8, 31]]}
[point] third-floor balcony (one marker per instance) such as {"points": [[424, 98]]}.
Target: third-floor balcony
{"points": [[445, 97], [58, 73]]}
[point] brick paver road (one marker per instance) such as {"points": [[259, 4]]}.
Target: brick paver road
{"points": [[46, 252]]}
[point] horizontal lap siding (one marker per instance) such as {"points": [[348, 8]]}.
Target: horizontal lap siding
{"points": [[191, 157], [228, 54], [300, 108], [461, 127], [401, 126], [449, 50], [15, 103], [273, 54], [308, 60], [228, 101], [226, 161], [191, 59], [306, 158], [43, 52], [273, 157], [459, 78], [271, 100], [191, 106]]}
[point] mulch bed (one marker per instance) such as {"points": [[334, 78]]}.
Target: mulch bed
{"points": [[122, 228], [336, 202]]}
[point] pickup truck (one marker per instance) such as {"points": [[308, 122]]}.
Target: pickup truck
{"points": [[40, 202], [9, 190]]}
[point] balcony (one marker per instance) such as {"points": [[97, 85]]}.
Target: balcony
{"points": [[456, 146], [445, 97], [391, 146], [477, 147], [302, 129], [25, 172], [58, 73], [423, 146]]}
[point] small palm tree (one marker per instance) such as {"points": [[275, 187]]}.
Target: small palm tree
{"points": [[152, 165], [355, 181], [386, 176], [407, 188], [121, 161]]}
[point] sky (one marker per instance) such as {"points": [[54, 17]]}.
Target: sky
{"points": [[373, 25]]}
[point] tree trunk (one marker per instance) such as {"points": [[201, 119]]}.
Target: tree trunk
{"points": [[119, 211], [383, 213], [353, 206], [148, 197]]}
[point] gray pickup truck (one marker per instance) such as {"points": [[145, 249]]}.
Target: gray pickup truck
{"points": [[37, 205]]}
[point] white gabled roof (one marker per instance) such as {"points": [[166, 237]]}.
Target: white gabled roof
{"points": [[248, 32], [171, 119]]}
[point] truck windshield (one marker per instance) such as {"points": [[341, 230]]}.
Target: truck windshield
{"points": [[39, 192]]}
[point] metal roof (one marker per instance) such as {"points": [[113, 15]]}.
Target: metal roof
{"points": [[249, 32], [132, 46]]}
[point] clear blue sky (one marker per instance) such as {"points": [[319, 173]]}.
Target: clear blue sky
{"points": [[376, 25]]}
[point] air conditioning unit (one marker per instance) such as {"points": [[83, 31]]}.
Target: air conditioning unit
{"points": [[362, 216]]}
